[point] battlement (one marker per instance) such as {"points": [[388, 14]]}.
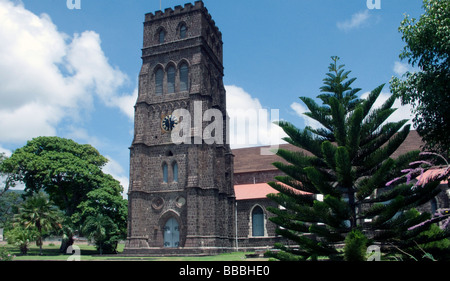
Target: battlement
{"points": [[178, 10]]}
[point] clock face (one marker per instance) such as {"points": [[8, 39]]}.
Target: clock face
{"points": [[169, 122]]}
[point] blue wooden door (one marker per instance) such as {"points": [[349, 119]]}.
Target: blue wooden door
{"points": [[171, 234]]}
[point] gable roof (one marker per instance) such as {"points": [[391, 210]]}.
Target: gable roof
{"points": [[253, 191], [258, 191]]}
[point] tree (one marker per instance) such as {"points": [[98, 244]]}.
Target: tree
{"points": [[21, 237], [348, 165], [65, 170], [9, 205], [105, 203], [38, 214], [6, 179], [428, 89], [101, 230]]}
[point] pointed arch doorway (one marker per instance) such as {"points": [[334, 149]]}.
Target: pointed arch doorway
{"points": [[172, 233]]}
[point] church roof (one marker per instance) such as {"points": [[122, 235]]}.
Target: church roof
{"points": [[253, 191], [250, 159], [257, 191]]}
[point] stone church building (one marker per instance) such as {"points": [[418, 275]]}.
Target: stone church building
{"points": [[196, 196]]}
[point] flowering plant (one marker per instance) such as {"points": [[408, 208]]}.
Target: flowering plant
{"points": [[5, 255], [433, 173]]}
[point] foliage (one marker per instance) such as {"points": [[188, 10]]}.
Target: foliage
{"points": [[6, 179], [71, 174], [5, 255], [21, 237], [103, 231], [38, 213], [355, 246], [62, 168], [107, 205], [348, 162], [9, 205], [428, 89]]}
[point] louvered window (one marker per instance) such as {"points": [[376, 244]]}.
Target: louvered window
{"points": [[184, 77], [183, 30], [175, 171], [171, 80], [162, 36], [159, 78], [165, 173]]}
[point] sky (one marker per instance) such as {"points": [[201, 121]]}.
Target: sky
{"points": [[73, 73]]}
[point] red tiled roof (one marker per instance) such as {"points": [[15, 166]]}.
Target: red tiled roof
{"points": [[253, 191], [257, 191]]}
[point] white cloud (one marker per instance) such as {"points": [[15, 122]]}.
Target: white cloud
{"points": [[250, 123], [47, 76], [357, 20], [116, 170], [126, 103], [6, 151], [400, 68], [300, 110], [402, 112]]}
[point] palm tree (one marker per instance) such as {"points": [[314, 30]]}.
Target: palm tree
{"points": [[99, 229], [38, 213]]}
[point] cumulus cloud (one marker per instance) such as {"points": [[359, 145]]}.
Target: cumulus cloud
{"points": [[47, 76], [401, 68], [250, 123], [114, 169], [300, 110], [357, 20], [402, 112]]}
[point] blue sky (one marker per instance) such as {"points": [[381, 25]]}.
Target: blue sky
{"points": [[73, 73]]}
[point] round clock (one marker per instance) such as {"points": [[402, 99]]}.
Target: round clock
{"points": [[169, 122]]}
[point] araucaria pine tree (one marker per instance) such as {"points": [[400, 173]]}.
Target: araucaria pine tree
{"points": [[334, 201]]}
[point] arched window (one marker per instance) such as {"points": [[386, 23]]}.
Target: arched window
{"points": [[159, 78], [184, 77], [175, 171], [171, 79], [162, 36], [183, 30], [257, 221], [165, 173]]}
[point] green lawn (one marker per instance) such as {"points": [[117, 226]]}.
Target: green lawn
{"points": [[89, 253]]}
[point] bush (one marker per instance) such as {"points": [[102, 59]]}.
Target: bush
{"points": [[21, 237], [355, 246], [5, 255]]}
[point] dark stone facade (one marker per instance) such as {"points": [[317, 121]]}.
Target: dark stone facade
{"points": [[181, 198]]}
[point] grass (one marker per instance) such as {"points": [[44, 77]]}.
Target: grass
{"points": [[89, 253]]}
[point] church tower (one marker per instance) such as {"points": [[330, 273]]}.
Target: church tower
{"points": [[181, 196]]}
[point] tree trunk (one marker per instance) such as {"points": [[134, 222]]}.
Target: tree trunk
{"points": [[66, 243]]}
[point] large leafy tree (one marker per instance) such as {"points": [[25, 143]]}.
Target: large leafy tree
{"points": [[337, 194], [427, 90], [104, 204], [65, 170]]}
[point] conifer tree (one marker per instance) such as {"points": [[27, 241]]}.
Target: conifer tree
{"points": [[349, 168]]}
